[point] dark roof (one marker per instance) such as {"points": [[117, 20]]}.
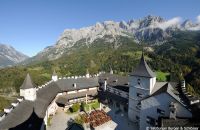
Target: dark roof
{"points": [[2, 113], [54, 73], [81, 83], [143, 69], [28, 83], [122, 88], [108, 95], [161, 89], [18, 115], [75, 126], [44, 97], [169, 88], [114, 80]]}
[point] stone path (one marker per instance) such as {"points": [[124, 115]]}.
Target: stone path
{"points": [[59, 121]]}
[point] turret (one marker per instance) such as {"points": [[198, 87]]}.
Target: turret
{"points": [[54, 76], [143, 71], [28, 89], [87, 74]]}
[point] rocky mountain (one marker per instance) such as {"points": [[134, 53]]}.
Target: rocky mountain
{"points": [[152, 30], [9, 56]]}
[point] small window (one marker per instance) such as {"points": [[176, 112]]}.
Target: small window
{"points": [[138, 81], [138, 106], [151, 121], [139, 95], [162, 112], [137, 117]]}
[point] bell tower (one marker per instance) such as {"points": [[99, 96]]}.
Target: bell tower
{"points": [[142, 81]]}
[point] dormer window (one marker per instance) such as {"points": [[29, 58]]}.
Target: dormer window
{"points": [[74, 85], [162, 112], [139, 95], [138, 81]]}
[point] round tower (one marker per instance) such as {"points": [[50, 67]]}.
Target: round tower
{"points": [[28, 89]]}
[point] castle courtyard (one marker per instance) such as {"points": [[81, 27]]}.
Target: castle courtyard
{"points": [[119, 120]]}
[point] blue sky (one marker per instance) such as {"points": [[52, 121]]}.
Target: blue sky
{"points": [[31, 25]]}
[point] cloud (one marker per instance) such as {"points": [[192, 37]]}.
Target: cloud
{"points": [[198, 19], [172, 22]]}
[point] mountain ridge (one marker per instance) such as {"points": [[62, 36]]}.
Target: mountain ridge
{"points": [[153, 30], [10, 56]]}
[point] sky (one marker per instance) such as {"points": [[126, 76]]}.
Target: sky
{"points": [[31, 25]]}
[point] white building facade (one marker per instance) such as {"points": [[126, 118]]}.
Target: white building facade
{"points": [[142, 82]]}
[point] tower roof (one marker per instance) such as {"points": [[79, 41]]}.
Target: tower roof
{"points": [[28, 83], [143, 69], [54, 73]]}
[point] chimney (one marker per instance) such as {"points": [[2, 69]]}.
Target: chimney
{"points": [[105, 85], [172, 111], [183, 84]]}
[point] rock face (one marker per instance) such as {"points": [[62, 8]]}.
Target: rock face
{"points": [[9, 56], [151, 29]]}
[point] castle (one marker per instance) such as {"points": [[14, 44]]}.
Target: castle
{"points": [[147, 102]]}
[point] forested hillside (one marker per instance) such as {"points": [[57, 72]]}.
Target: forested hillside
{"points": [[180, 57]]}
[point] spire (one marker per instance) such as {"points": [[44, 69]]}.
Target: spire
{"points": [[143, 69], [111, 71], [54, 73], [28, 83]]}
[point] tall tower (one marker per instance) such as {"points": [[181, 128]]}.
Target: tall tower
{"points": [[142, 81], [54, 76], [28, 89]]}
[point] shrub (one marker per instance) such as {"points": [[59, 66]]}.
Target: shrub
{"points": [[75, 107], [78, 120]]}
